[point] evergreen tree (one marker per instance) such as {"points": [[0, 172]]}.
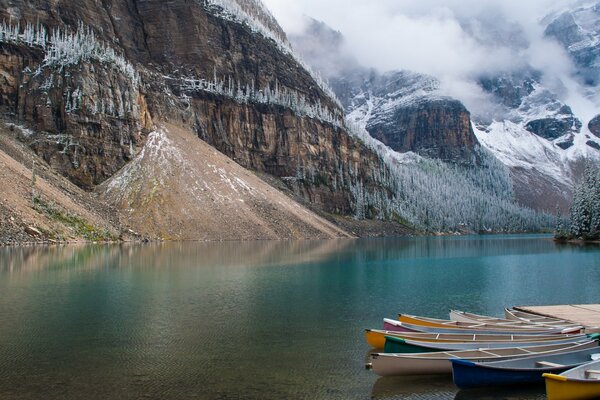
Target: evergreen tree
{"points": [[585, 211]]}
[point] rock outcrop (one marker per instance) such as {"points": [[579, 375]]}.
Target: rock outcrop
{"points": [[402, 109], [439, 129]]}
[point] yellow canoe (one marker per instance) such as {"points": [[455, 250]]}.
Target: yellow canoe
{"points": [[578, 383]]}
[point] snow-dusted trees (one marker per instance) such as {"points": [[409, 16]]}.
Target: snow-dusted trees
{"points": [[30, 35], [270, 94], [585, 211], [64, 48], [435, 196], [256, 16], [69, 48]]}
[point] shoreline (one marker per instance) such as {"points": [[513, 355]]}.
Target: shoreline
{"points": [[53, 243]]}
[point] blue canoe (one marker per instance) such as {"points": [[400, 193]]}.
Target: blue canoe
{"points": [[529, 370]]}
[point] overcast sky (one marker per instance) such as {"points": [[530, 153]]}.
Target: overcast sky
{"points": [[450, 39]]}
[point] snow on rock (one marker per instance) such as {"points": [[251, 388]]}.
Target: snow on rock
{"points": [[516, 147]]}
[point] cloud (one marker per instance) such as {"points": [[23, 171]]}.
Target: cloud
{"points": [[454, 40]]}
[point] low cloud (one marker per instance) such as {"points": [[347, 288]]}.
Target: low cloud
{"points": [[453, 40]]}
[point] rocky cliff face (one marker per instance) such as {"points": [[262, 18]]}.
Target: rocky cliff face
{"points": [[224, 73], [434, 128], [402, 109]]}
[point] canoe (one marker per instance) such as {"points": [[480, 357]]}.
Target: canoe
{"points": [[462, 316], [376, 338], [526, 370], [510, 325], [393, 364], [393, 325], [582, 382], [516, 315], [394, 344]]}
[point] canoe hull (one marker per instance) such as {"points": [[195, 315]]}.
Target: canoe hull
{"points": [[394, 364], [424, 324], [376, 338], [391, 325], [561, 388], [468, 375], [399, 345], [402, 345]]}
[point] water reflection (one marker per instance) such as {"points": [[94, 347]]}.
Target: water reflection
{"points": [[165, 255], [170, 255], [524, 392], [416, 387]]}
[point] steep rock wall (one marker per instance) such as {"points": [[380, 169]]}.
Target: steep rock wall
{"points": [[92, 137]]}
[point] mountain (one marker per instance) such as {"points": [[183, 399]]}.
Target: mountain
{"points": [[522, 117], [93, 81], [402, 109], [198, 120], [534, 130], [577, 31]]}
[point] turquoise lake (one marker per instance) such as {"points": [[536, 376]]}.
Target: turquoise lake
{"points": [[257, 320]]}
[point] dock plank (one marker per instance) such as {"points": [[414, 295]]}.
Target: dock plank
{"points": [[587, 315]]}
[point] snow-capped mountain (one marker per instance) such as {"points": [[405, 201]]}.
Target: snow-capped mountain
{"points": [[578, 31], [524, 118]]}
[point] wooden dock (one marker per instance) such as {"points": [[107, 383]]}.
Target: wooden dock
{"points": [[587, 315]]}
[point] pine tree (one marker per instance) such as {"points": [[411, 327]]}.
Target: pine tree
{"points": [[585, 211]]}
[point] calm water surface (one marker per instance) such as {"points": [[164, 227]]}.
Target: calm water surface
{"points": [[265, 320]]}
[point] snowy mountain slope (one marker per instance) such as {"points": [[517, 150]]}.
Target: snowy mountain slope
{"points": [[578, 31], [523, 118]]}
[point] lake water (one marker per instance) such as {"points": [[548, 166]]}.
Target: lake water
{"points": [[261, 320]]}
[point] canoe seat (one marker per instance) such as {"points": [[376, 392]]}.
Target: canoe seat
{"points": [[542, 364], [592, 374]]}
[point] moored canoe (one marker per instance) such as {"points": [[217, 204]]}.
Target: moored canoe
{"points": [[517, 315], [463, 316], [393, 325], [579, 383], [508, 325], [376, 338], [526, 370], [390, 364], [395, 344]]}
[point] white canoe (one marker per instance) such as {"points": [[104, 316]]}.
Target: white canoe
{"points": [[506, 325], [461, 327], [392, 364], [517, 315], [454, 346], [376, 338], [463, 316]]}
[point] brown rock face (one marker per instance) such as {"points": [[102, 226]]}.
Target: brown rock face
{"points": [[91, 117], [434, 128], [317, 160]]}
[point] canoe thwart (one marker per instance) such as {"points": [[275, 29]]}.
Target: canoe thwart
{"points": [[543, 364], [592, 374]]}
